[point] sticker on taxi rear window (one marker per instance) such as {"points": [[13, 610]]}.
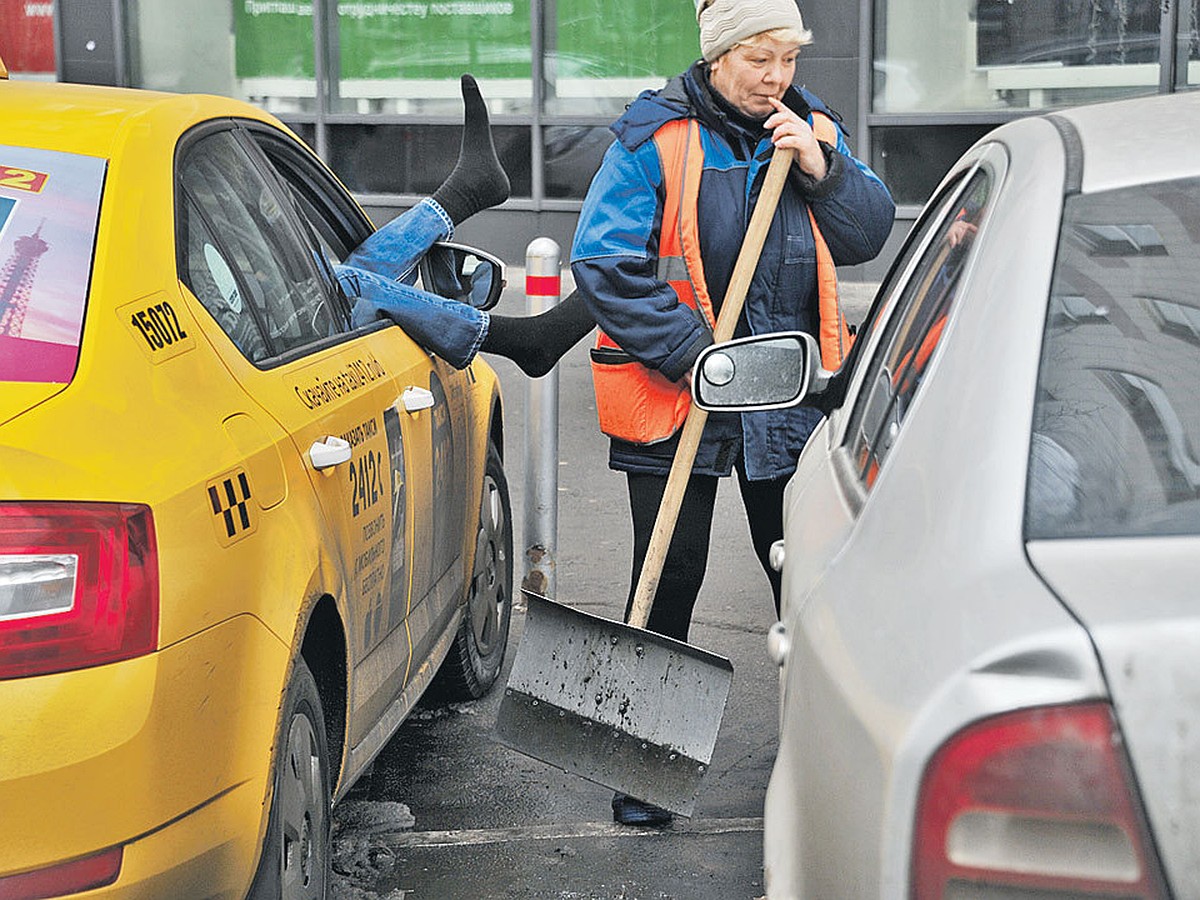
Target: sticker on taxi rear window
{"points": [[49, 208]]}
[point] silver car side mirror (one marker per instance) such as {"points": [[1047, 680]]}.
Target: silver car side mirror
{"points": [[768, 371], [463, 273]]}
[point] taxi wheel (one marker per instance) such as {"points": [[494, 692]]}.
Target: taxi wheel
{"points": [[295, 860], [474, 661]]}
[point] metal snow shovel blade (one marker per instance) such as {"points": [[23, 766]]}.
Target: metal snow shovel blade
{"points": [[616, 704]]}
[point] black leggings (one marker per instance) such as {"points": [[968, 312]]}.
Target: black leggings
{"points": [[687, 557]]}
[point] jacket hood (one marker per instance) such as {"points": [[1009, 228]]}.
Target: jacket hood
{"points": [[653, 109], [687, 96]]}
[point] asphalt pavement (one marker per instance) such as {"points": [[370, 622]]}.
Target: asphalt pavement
{"points": [[448, 813]]}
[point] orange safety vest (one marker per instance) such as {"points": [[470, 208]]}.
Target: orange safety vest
{"points": [[639, 404]]}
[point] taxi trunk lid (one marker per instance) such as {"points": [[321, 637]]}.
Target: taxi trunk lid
{"points": [[17, 397]]}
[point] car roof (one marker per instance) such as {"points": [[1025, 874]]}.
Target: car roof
{"points": [[1136, 141], [91, 120]]}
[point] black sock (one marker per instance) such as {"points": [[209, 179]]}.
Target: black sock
{"points": [[536, 343], [478, 181]]}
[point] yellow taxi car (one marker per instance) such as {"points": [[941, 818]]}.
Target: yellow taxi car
{"points": [[226, 575]]}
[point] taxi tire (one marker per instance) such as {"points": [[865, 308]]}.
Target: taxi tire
{"points": [[473, 663], [295, 862]]}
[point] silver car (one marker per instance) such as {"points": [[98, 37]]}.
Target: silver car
{"points": [[990, 635]]}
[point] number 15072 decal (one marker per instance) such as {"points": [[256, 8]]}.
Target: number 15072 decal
{"points": [[161, 327]]}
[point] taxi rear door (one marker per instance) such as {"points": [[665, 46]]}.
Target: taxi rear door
{"points": [[434, 408]]}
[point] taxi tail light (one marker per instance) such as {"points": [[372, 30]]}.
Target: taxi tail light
{"points": [[78, 585], [94, 871], [1039, 803]]}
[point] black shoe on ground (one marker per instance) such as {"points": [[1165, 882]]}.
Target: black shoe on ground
{"points": [[631, 811]]}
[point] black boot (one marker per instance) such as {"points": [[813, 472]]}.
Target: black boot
{"points": [[631, 811], [478, 181], [537, 343]]}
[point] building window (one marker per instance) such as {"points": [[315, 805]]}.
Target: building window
{"points": [[601, 53], [571, 155], [406, 57], [414, 159], [944, 72], [911, 159], [1003, 55], [389, 119]]}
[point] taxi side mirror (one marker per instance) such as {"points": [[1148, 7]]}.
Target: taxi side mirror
{"points": [[767, 371], [463, 273]]}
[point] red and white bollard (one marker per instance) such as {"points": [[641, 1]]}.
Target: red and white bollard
{"points": [[543, 291]]}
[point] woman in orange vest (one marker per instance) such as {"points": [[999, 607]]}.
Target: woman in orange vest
{"points": [[653, 254]]}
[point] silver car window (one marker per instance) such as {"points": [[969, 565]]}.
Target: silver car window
{"points": [[914, 329], [1116, 430]]}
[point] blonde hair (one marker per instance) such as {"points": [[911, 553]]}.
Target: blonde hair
{"points": [[782, 35]]}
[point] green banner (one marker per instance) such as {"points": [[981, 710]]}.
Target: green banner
{"points": [[407, 39], [628, 38], [274, 38], [387, 39]]}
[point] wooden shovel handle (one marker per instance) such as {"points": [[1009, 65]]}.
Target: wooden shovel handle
{"points": [[693, 425]]}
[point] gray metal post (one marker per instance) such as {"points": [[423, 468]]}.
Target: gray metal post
{"points": [[543, 290]]}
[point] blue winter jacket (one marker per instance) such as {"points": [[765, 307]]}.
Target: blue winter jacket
{"points": [[615, 252]]}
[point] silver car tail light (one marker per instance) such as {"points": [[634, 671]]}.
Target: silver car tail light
{"points": [[1039, 803]]}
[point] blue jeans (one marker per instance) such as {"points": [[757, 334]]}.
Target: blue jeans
{"points": [[377, 277]]}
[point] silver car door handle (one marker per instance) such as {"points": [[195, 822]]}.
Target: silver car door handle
{"points": [[333, 451], [415, 399], [777, 555], [779, 645]]}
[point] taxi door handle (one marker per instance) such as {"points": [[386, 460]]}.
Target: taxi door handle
{"points": [[415, 399], [332, 451]]}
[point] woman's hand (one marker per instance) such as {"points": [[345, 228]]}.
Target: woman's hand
{"points": [[960, 231], [790, 131]]}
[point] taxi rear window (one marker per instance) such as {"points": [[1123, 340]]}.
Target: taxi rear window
{"points": [[49, 207]]}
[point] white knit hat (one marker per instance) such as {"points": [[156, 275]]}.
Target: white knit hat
{"points": [[725, 22]]}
